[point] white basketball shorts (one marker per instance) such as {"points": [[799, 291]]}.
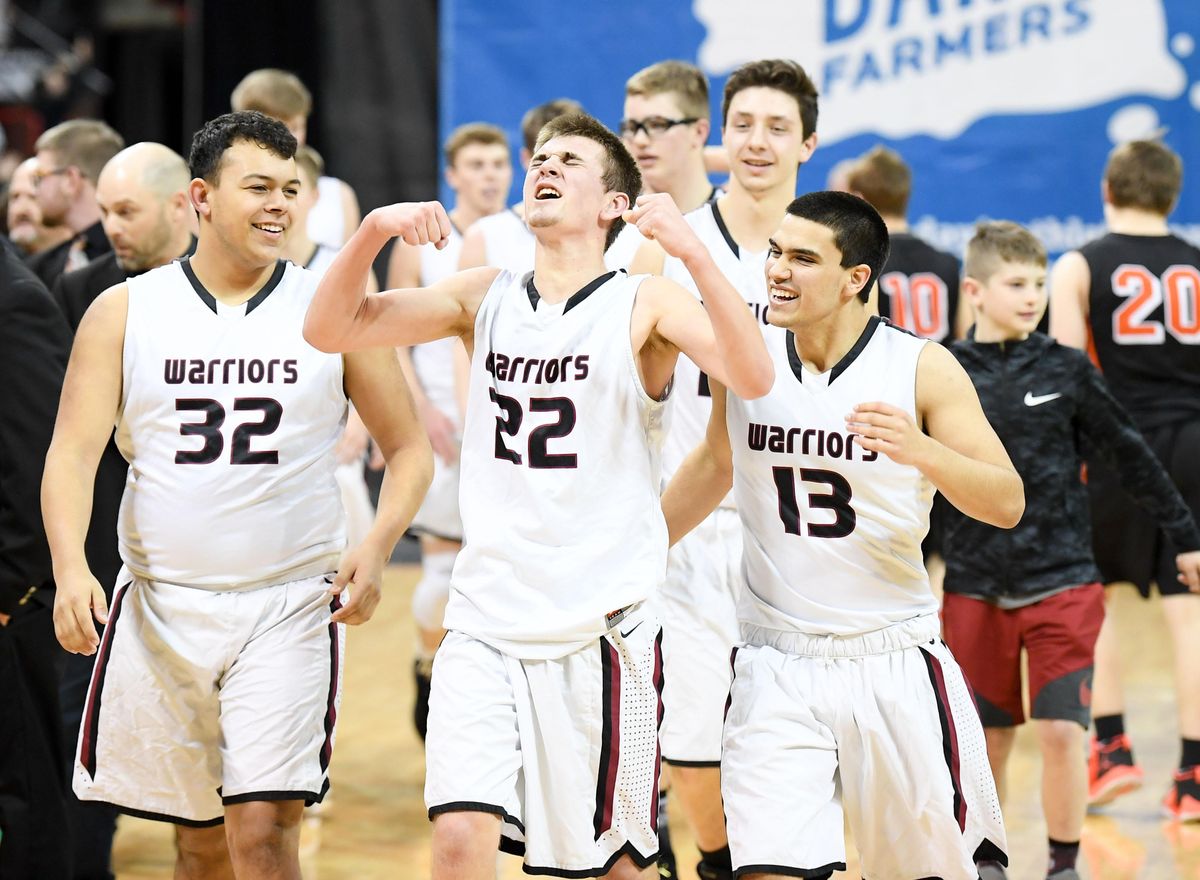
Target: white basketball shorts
{"points": [[565, 751], [698, 607], [438, 515], [879, 726], [201, 699]]}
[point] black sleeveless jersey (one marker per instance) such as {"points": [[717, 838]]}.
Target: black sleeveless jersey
{"points": [[1144, 323], [918, 288]]}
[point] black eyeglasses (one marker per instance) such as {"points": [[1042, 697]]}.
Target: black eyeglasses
{"points": [[654, 126]]}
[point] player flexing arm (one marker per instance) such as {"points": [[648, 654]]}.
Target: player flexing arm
{"points": [[721, 336], [91, 399]]}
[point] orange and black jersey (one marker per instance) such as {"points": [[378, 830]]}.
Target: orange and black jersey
{"points": [[1144, 323], [918, 288], [1048, 404]]}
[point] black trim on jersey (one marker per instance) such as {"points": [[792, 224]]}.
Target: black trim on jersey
{"points": [[675, 763], [628, 849], [91, 717], [577, 297], [989, 852], [716, 212], [713, 195], [251, 304], [309, 797], [163, 817], [848, 358], [476, 807], [823, 871], [316, 250]]}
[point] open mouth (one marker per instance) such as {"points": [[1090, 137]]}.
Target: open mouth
{"points": [[271, 228], [782, 296], [546, 192]]}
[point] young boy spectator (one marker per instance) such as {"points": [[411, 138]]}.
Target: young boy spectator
{"points": [[1037, 586]]}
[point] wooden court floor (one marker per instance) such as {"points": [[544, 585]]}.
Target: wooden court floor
{"points": [[374, 827]]}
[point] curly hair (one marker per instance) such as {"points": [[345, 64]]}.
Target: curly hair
{"points": [[211, 142]]}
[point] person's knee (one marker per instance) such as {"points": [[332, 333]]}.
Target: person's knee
{"points": [[458, 836], [201, 851], [264, 833], [1061, 737]]}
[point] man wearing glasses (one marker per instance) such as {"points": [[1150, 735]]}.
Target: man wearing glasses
{"points": [[665, 128], [69, 158]]}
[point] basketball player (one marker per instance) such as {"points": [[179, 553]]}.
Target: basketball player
{"points": [[1037, 587], [1131, 298], [918, 288], [25, 227], [545, 704], [282, 95], [218, 678], [502, 240], [843, 696], [479, 173], [769, 115], [666, 126]]}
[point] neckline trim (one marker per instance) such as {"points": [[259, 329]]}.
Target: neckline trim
{"points": [[251, 304], [842, 365], [577, 297]]}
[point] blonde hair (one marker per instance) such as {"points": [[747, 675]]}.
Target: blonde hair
{"points": [[309, 162], [87, 144], [273, 92], [1001, 241], [882, 178], [684, 81], [472, 133]]}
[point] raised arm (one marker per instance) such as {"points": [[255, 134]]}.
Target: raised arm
{"points": [[722, 337], [705, 475], [1069, 283], [343, 316], [90, 400], [958, 450], [381, 397]]}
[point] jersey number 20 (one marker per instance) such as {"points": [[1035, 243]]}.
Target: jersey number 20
{"points": [[838, 501], [1177, 291]]}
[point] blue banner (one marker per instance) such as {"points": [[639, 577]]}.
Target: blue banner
{"points": [[1003, 108]]}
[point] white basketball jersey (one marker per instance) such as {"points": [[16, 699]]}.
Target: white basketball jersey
{"points": [[508, 243], [625, 248], [326, 222], [560, 471], [832, 532], [322, 258], [434, 361], [228, 420], [691, 401]]}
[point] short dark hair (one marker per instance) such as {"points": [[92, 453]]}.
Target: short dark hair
{"points": [[775, 73], [621, 172], [212, 141], [882, 178], [1144, 174], [536, 117], [858, 230]]}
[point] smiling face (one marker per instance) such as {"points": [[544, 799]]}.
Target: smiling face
{"points": [[564, 188], [764, 139], [1009, 302], [248, 205], [481, 177], [806, 281]]}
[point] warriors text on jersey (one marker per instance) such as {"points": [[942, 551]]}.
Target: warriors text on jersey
{"points": [[228, 420], [1144, 322], [746, 271], [918, 288], [560, 471], [832, 532]]}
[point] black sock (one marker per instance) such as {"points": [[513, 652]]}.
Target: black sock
{"points": [[1062, 855], [718, 858], [1190, 755], [664, 829], [1109, 727]]}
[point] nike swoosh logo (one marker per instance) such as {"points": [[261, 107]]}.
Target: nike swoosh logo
{"points": [[626, 635], [1032, 399]]}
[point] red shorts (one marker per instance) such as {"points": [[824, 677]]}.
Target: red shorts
{"points": [[1059, 635]]}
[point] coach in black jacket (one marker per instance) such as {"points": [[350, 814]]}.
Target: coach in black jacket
{"points": [[1036, 587], [34, 344]]}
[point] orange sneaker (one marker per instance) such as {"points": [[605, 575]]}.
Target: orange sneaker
{"points": [[1111, 771], [1182, 802]]}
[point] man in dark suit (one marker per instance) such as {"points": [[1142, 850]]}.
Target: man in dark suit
{"points": [[69, 159], [146, 214], [34, 346]]}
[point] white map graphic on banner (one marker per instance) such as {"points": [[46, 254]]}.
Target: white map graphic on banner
{"points": [[899, 68]]}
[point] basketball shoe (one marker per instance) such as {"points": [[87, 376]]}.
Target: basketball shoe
{"points": [[1111, 771], [1182, 802]]}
